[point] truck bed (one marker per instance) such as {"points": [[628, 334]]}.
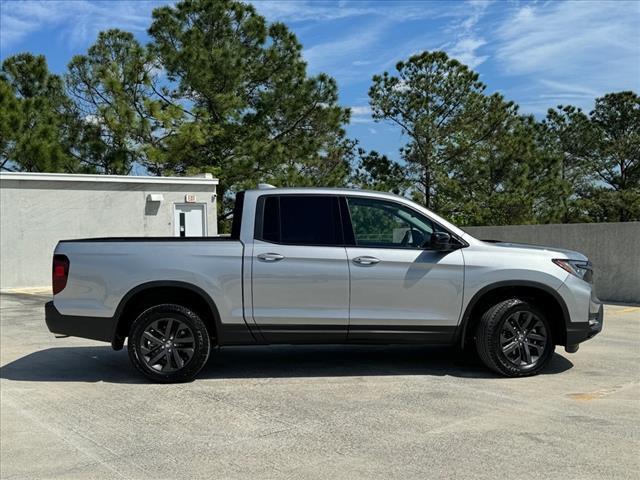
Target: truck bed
{"points": [[151, 239], [103, 271]]}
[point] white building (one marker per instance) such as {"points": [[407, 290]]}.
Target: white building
{"points": [[39, 209]]}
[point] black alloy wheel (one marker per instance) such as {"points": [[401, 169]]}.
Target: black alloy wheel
{"points": [[169, 343], [514, 338], [523, 339]]}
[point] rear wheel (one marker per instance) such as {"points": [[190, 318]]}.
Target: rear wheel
{"points": [[169, 343], [514, 339]]}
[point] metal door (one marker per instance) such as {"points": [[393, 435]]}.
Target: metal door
{"points": [[190, 220]]}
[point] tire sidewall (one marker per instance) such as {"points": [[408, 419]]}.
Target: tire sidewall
{"points": [[201, 343]]}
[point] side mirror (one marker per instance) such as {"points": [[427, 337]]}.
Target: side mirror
{"points": [[440, 241]]}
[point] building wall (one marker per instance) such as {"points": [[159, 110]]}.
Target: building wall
{"points": [[613, 248], [36, 214]]}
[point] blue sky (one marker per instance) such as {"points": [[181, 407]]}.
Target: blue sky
{"points": [[537, 53]]}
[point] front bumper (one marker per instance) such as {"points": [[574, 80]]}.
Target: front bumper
{"points": [[578, 332], [95, 328]]}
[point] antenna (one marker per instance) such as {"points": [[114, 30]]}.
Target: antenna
{"points": [[265, 186]]}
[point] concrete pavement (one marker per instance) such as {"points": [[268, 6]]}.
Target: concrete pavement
{"points": [[73, 408]]}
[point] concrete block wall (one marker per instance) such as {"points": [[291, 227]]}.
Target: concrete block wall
{"points": [[613, 248], [38, 210]]}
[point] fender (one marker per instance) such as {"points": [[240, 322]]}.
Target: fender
{"points": [[227, 334], [461, 331]]}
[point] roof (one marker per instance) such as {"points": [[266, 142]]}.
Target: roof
{"points": [[205, 179], [322, 190], [357, 193]]}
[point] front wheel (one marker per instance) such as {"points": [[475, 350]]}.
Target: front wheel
{"points": [[514, 339], [169, 343]]}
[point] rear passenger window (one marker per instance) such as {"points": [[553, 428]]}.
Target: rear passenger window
{"points": [[301, 220]]}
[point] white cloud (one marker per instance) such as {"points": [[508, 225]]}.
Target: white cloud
{"points": [[573, 39], [361, 110], [467, 40], [465, 51], [81, 19], [361, 114], [319, 10], [341, 50], [573, 88], [365, 40], [361, 120], [360, 50], [362, 63], [20, 19], [571, 51]]}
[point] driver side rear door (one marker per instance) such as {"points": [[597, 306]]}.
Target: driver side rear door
{"points": [[299, 270]]}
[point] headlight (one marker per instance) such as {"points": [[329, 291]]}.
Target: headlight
{"points": [[580, 268]]}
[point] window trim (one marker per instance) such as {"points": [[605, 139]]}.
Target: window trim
{"points": [[462, 243], [259, 220], [236, 222]]}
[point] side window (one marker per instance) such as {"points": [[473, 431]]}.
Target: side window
{"points": [[380, 223], [271, 220], [301, 220]]}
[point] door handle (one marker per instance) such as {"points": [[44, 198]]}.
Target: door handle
{"points": [[270, 257], [366, 260]]}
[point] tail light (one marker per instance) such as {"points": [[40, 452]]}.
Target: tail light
{"points": [[60, 273]]}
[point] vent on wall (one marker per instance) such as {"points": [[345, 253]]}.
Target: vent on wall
{"points": [[155, 197]]}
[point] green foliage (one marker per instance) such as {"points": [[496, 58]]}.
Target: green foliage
{"points": [[441, 107], [253, 113], [472, 158], [565, 137], [615, 158], [502, 182], [122, 119], [35, 132], [377, 172], [597, 158], [221, 90], [10, 122]]}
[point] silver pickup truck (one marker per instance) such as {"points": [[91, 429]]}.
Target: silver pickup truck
{"points": [[323, 266]]}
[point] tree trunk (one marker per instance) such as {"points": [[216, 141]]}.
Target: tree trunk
{"points": [[427, 187]]}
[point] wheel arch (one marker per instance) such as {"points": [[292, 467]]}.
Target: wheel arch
{"points": [[553, 306], [145, 295]]}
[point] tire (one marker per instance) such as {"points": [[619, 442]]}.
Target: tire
{"points": [[169, 344], [514, 339]]}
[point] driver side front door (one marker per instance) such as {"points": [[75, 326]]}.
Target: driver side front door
{"points": [[400, 290]]}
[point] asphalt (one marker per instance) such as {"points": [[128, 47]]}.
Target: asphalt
{"points": [[75, 409]]}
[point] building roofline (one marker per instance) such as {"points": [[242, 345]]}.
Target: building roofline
{"points": [[206, 179]]}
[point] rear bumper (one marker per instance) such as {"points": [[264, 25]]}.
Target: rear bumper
{"points": [[578, 332], [95, 328]]}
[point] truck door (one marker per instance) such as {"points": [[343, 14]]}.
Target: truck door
{"points": [[300, 274], [400, 290]]}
